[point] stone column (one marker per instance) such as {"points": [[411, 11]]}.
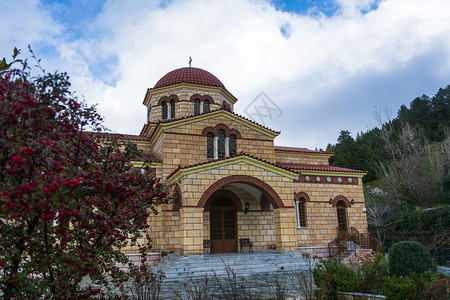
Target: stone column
{"points": [[227, 146], [216, 147], [169, 110], [285, 229], [191, 230]]}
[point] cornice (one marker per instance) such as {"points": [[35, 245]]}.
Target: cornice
{"points": [[152, 165]]}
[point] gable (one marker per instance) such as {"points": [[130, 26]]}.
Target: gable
{"points": [[196, 124], [228, 164]]}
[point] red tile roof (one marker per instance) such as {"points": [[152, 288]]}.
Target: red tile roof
{"points": [[296, 149], [153, 159], [192, 76], [317, 168], [125, 137], [189, 75]]}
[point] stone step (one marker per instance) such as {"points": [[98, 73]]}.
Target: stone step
{"points": [[176, 266], [358, 257]]}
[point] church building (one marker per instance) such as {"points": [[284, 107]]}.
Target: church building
{"points": [[228, 179]]}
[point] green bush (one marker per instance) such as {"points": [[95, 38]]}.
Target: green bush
{"points": [[412, 286], [336, 276], [407, 257], [372, 274], [401, 288]]}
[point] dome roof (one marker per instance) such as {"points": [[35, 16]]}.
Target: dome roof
{"points": [[189, 75]]}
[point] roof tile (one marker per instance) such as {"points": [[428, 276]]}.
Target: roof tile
{"points": [[296, 149], [317, 168]]}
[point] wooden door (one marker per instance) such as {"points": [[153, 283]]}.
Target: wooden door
{"points": [[341, 216], [223, 226]]}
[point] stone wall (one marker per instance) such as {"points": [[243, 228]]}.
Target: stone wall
{"points": [[322, 216], [185, 145]]}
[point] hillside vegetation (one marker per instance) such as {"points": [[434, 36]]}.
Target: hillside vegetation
{"points": [[407, 188]]}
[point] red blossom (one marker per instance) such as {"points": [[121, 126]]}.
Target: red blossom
{"points": [[72, 187], [16, 159]]}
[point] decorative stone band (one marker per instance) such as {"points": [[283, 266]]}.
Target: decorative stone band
{"points": [[327, 179]]}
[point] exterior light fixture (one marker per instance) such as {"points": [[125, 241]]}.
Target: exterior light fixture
{"points": [[247, 206], [331, 201], [353, 201]]}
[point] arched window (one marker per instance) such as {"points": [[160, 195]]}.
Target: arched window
{"points": [[164, 110], [196, 107], [221, 143], [172, 109], [177, 203], [341, 215], [301, 212], [205, 106], [210, 145], [233, 145]]}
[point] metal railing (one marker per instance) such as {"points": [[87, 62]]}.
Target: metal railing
{"points": [[348, 242]]}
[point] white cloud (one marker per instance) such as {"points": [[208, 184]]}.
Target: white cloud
{"points": [[326, 73], [24, 22]]}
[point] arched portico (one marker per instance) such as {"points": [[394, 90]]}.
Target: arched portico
{"points": [[254, 207], [266, 189]]}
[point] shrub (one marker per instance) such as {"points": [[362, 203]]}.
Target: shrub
{"points": [[335, 275], [410, 287], [407, 257], [373, 274], [437, 289], [401, 288]]}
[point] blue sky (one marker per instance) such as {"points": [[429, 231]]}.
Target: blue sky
{"points": [[327, 65]]}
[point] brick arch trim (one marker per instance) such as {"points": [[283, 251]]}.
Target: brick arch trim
{"points": [[339, 198], [267, 190], [224, 193], [219, 127], [168, 98], [299, 195], [215, 130], [202, 98], [207, 130], [226, 106], [235, 132]]}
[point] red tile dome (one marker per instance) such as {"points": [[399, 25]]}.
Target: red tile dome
{"points": [[189, 75]]}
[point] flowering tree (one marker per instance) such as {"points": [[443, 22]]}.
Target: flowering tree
{"points": [[69, 200]]}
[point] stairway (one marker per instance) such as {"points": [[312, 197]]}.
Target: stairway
{"points": [[358, 257], [176, 266]]}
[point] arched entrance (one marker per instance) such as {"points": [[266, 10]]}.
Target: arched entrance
{"points": [[266, 221], [223, 225]]}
